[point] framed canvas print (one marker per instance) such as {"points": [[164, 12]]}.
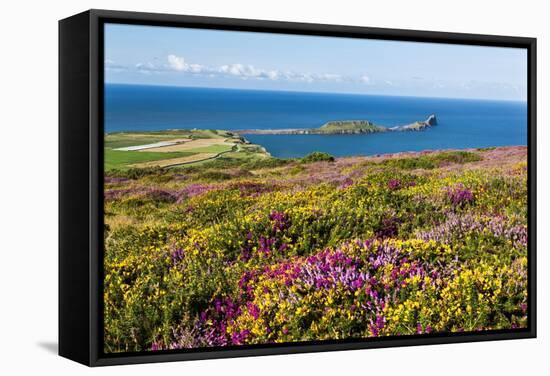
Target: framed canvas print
{"points": [[236, 187]]}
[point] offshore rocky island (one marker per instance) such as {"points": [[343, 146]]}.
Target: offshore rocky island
{"points": [[348, 127]]}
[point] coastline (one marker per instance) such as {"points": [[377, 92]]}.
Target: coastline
{"points": [[172, 148]]}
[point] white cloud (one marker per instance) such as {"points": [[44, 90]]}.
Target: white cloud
{"points": [[273, 75], [179, 64], [237, 70], [147, 68], [195, 68], [329, 77], [248, 71], [111, 65], [364, 79]]}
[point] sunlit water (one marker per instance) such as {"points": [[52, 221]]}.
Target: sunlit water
{"points": [[462, 123]]}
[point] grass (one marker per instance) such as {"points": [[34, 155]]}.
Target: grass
{"points": [[117, 159], [212, 149]]}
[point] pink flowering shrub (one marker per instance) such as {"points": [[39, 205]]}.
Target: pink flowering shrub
{"points": [[327, 250]]}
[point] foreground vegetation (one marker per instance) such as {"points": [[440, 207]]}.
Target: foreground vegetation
{"points": [[249, 251]]}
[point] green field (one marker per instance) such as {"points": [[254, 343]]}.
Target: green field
{"points": [[199, 145], [212, 149], [117, 159]]}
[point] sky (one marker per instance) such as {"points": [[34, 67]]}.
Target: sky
{"points": [[159, 55]]}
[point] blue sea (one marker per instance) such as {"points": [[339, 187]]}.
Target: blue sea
{"points": [[461, 123]]}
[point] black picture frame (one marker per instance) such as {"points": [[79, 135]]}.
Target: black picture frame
{"points": [[81, 183]]}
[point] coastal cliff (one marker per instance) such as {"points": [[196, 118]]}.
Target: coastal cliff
{"points": [[348, 127]]}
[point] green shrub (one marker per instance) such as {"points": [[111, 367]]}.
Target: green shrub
{"points": [[317, 156], [430, 161], [266, 163]]}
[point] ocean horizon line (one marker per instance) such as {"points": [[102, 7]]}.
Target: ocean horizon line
{"points": [[314, 92]]}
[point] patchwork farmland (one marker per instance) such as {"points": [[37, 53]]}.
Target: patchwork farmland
{"points": [[124, 150]]}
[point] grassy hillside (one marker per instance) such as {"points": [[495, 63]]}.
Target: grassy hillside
{"points": [[246, 250]]}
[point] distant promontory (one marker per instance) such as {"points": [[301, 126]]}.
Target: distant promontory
{"points": [[347, 127]]}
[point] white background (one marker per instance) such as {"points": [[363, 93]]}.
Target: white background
{"points": [[28, 185]]}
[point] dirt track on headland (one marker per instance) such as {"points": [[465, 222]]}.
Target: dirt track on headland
{"points": [[177, 161], [194, 144]]}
